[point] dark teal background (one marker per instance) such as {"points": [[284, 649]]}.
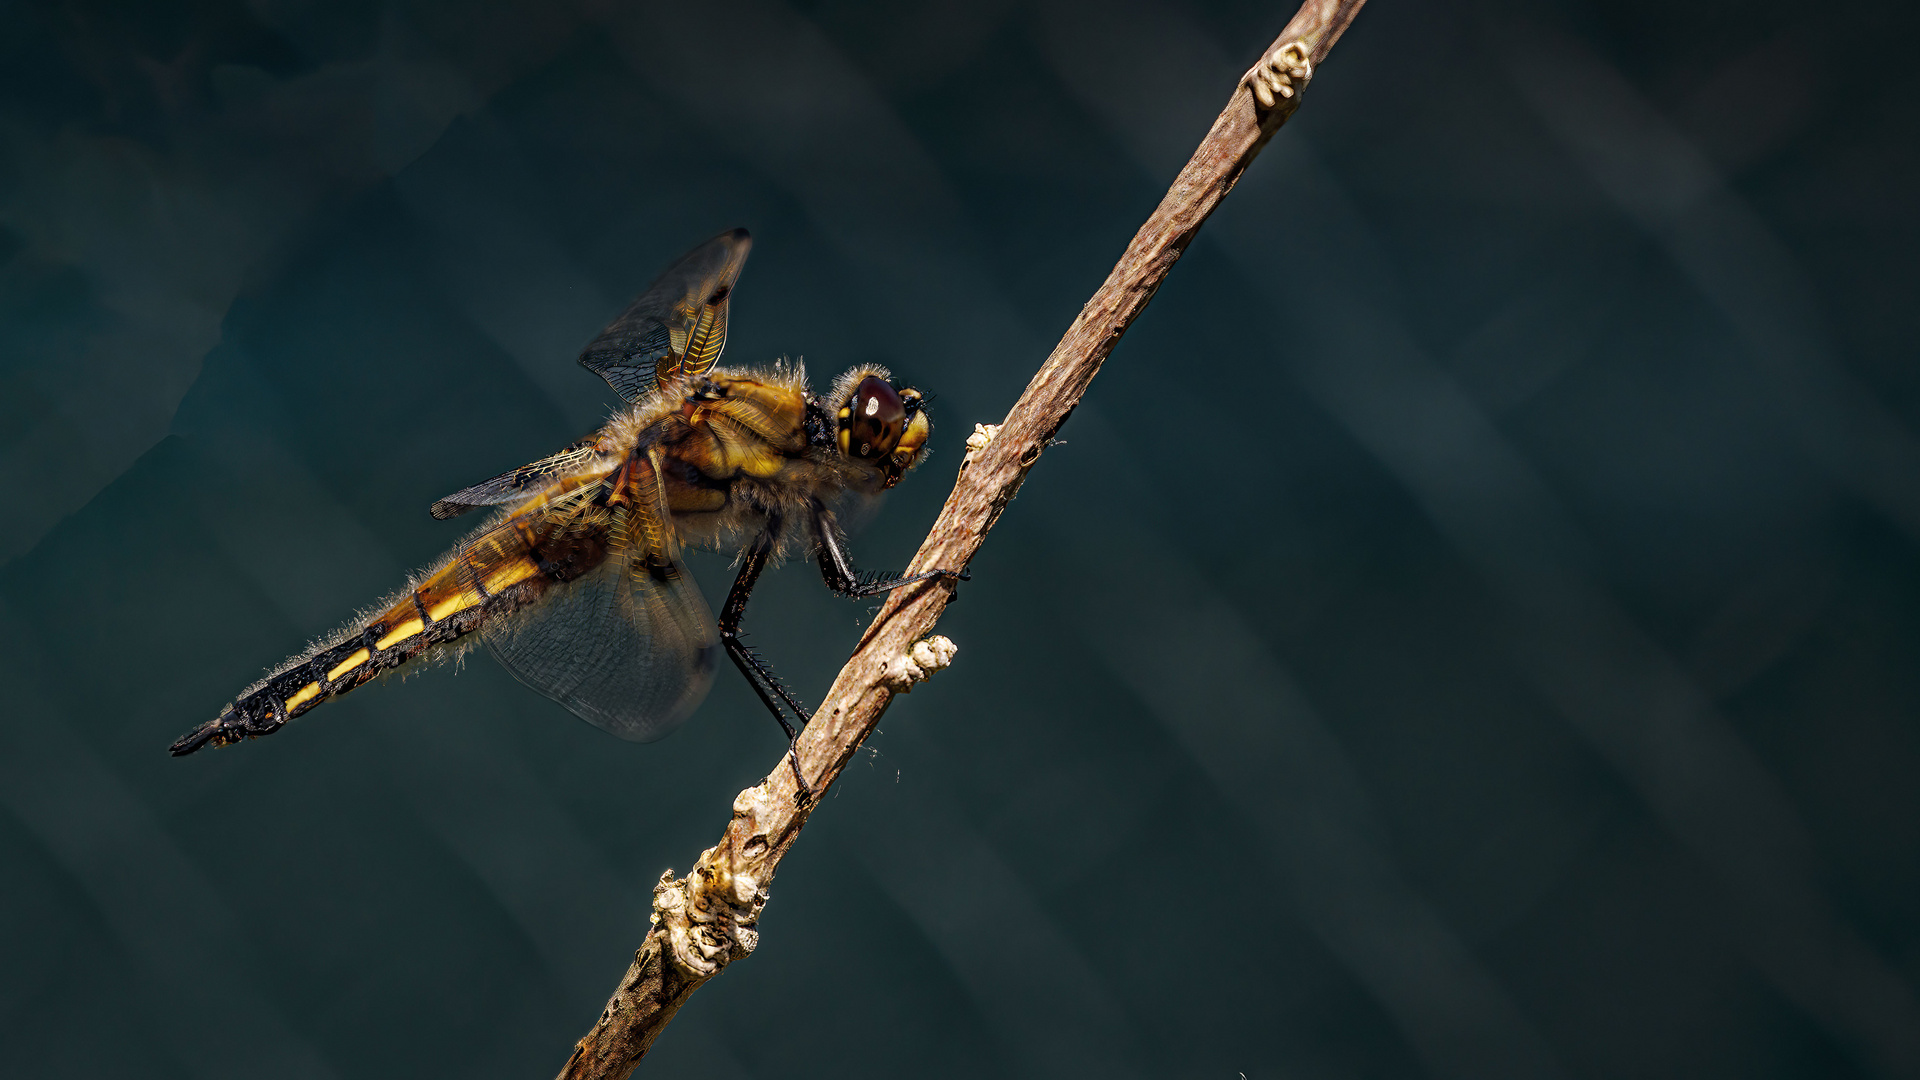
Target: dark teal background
{"points": [[1468, 631]]}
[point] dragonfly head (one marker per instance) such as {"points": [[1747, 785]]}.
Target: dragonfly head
{"points": [[882, 425]]}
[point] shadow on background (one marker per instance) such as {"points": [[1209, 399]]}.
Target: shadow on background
{"points": [[1469, 630]]}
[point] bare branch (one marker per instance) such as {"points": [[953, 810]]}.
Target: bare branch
{"points": [[708, 919]]}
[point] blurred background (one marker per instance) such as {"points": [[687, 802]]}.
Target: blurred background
{"points": [[1470, 629]]}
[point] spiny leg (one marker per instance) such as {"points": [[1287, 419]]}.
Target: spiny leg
{"points": [[841, 576], [753, 667], [773, 693], [837, 569]]}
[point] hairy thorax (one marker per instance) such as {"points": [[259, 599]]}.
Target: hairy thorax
{"points": [[734, 450]]}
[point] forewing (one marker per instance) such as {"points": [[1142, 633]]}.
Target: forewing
{"points": [[628, 647], [676, 328], [518, 484]]}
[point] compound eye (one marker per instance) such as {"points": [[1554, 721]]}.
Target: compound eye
{"points": [[872, 421]]}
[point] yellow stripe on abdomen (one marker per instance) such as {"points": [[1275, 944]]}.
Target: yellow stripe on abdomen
{"points": [[400, 633], [439, 606], [307, 693], [452, 605], [499, 581], [510, 575], [359, 657]]}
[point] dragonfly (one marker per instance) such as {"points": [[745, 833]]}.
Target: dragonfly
{"points": [[577, 584]]}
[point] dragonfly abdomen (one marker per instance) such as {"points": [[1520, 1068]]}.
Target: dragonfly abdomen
{"points": [[495, 575]]}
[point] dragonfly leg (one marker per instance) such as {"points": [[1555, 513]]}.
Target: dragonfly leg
{"points": [[773, 693], [836, 565]]}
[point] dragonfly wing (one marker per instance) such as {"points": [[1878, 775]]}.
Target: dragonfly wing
{"points": [[677, 327], [518, 484], [628, 647]]}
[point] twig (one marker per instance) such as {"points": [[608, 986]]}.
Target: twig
{"points": [[707, 919]]}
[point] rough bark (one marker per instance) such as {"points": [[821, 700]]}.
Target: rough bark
{"points": [[706, 920]]}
